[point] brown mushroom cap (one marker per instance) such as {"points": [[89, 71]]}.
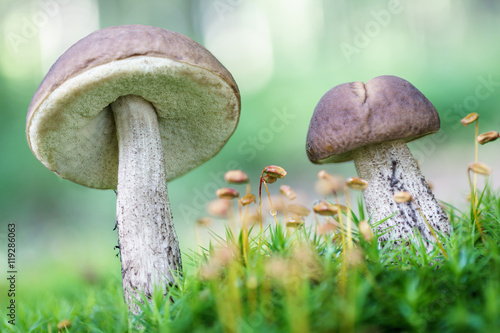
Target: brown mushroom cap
{"points": [[70, 126], [352, 115]]}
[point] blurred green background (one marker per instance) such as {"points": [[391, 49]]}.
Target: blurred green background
{"points": [[284, 55]]}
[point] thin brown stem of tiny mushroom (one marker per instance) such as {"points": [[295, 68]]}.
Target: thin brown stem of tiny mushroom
{"points": [[260, 204], [474, 203], [476, 153], [389, 168], [273, 211], [484, 170], [149, 249], [345, 251], [244, 231], [341, 221], [350, 243]]}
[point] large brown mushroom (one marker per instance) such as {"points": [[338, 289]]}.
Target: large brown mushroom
{"points": [[129, 108], [371, 124]]}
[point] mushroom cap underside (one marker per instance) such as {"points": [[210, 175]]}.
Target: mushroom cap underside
{"points": [[70, 125]]}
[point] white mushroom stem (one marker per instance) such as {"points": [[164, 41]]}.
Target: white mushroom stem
{"points": [[149, 248], [390, 168]]}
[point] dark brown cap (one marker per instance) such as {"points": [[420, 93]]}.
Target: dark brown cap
{"points": [[352, 115], [70, 126]]}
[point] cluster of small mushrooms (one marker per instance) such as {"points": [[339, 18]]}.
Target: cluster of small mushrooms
{"points": [[131, 107]]}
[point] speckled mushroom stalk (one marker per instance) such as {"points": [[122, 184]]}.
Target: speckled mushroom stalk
{"points": [[389, 168], [149, 249]]}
